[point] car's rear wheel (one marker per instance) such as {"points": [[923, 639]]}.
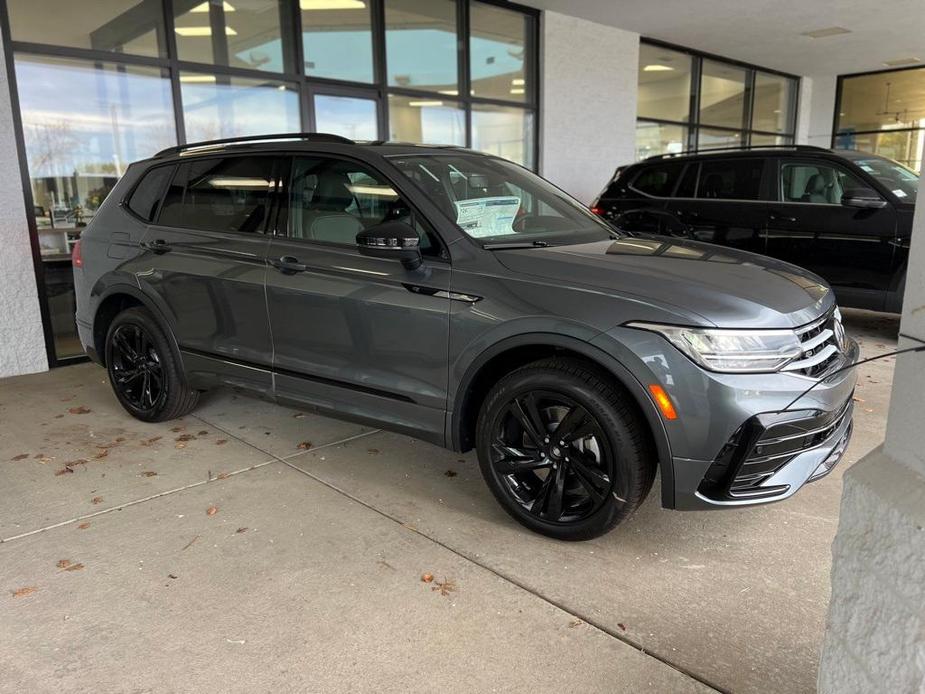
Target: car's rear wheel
{"points": [[563, 450], [144, 370]]}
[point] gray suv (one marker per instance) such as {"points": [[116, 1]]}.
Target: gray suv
{"points": [[463, 300]]}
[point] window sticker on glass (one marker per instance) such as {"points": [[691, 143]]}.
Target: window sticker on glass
{"points": [[899, 193], [487, 216]]}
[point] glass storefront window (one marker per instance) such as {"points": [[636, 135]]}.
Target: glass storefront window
{"points": [[772, 105], [216, 106], [722, 94], [506, 132], [120, 26], [497, 52], [708, 138], [346, 115], [664, 83], [763, 140], [882, 101], [231, 32], [659, 138], [83, 124], [421, 45], [337, 40], [426, 120], [905, 146]]}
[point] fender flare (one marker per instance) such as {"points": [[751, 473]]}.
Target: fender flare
{"points": [[144, 299], [614, 367]]}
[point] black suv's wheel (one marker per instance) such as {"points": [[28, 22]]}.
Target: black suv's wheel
{"points": [[143, 369], [562, 450]]}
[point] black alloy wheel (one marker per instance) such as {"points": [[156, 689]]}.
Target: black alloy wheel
{"points": [[137, 372]]}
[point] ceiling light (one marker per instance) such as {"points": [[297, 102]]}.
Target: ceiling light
{"points": [[824, 33], [421, 104], [448, 92], [204, 7], [197, 78], [517, 90], [332, 4], [202, 31], [657, 67], [518, 82], [899, 62]]}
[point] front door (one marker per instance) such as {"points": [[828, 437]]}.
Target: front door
{"points": [[851, 248], [206, 266], [357, 335]]}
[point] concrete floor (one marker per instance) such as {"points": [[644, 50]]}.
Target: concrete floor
{"points": [[116, 576]]}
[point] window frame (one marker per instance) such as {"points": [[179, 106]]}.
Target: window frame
{"points": [[125, 204]]}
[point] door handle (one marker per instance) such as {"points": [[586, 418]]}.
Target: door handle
{"points": [[288, 265], [158, 246], [774, 217]]}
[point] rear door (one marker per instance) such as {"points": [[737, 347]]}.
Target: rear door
{"points": [[206, 266], [853, 249], [723, 201], [358, 335]]}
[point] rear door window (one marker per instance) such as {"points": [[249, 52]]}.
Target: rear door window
{"points": [[231, 194], [658, 180], [146, 196], [730, 179]]}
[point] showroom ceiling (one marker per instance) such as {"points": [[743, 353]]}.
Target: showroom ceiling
{"points": [[773, 33]]}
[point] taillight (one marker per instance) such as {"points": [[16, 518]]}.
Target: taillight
{"points": [[598, 211], [76, 259]]}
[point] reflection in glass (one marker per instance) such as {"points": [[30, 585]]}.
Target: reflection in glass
{"points": [[708, 138], [120, 26], [773, 95], [425, 120], [497, 49], [882, 101], [905, 146], [659, 138], [346, 115], [760, 140], [337, 40], [664, 83], [506, 132], [722, 94], [239, 33], [217, 106], [83, 124], [421, 44]]}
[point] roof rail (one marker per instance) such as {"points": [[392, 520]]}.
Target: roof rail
{"points": [[208, 144], [737, 148]]}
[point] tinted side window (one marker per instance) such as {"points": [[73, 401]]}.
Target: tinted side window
{"points": [[658, 179], [230, 194], [148, 193], [687, 188], [815, 183], [730, 179]]}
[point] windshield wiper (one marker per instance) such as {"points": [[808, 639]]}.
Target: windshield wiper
{"points": [[514, 244]]}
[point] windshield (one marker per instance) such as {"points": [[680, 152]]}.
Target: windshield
{"points": [[902, 181], [495, 201]]}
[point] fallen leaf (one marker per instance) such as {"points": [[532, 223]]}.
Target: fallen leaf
{"points": [[83, 526], [857, 399], [427, 578], [79, 410], [21, 456], [171, 576], [176, 429], [222, 476], [305, 445], [451, 473], [23, 592], [202, 433], [148, 442], [96, 500], [102, 454], [73, 567], [180, 445], [212, 510], [39, 455], [186, 437], [221, 442], [120, 439], [372, 451], [298, 415], [622, 627], [63, 563], [63, 471], [149, 473], [240, 530], [445, 588], [575, 623], [59, 416]]}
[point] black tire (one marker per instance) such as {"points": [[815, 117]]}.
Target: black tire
{"points": [[144, 370], [593, 482]]}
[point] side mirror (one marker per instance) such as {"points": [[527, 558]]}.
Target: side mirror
{"points": [[863, 198], [395, 240]]}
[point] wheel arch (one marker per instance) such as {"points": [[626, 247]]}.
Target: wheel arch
{"points": [[111, 302], [516, 351]]}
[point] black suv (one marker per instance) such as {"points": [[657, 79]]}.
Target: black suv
{"points": [[845, 215]]}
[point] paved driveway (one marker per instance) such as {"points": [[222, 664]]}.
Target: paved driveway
{"points": [[251, 548]]}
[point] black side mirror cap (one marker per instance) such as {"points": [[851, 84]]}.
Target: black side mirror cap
{"points": [[395, 240], [863, 198]]}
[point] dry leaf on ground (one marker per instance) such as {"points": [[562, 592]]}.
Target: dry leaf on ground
{"points": [[240, 530], [148, 442], [304, 445], [63, 563], [221, 442], [212, 510], [427, 578], [83, 526], [79, 410], [451, 473], [445, 587], [179, 428], [21, 456], [149, 473], [23, 592], [185, 437], [96, 500]]}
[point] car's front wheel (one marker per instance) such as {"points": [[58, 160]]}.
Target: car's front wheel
{"points": [[563, 450], [144, 370]]}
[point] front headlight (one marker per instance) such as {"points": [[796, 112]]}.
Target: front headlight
{"points": [[731, 351]]}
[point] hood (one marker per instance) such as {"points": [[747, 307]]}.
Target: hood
{"points": [[724, 287]]}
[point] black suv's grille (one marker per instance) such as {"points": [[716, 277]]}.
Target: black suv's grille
{"points": [[821, 347]]}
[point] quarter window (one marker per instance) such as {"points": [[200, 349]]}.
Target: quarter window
{"points": [[659, 180], [730, 179], [147, 194], [230, 194], [815, 183]]}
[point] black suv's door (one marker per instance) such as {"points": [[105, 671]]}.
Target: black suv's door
{"points": [[852, 248], [360, 335], [723, 201], [207, 266], [635, 199]]}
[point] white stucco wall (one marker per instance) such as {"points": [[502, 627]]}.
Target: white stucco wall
{"points": [[816, 110], [588, 102], [22, 343]]}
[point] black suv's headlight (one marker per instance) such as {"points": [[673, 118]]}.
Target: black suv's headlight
{"points": [[731, 351]]}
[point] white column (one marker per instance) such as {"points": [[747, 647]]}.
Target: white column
{"points": [[588, 102], [816, 110], [22, 342], [875, 637]]}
